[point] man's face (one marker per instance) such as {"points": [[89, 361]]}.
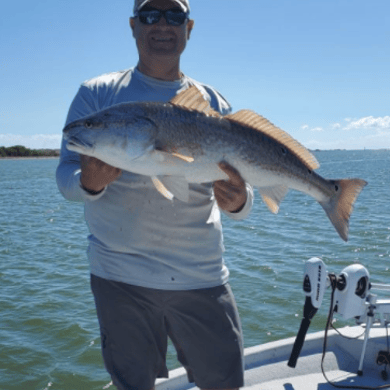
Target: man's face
{"points": [[160, 39]]}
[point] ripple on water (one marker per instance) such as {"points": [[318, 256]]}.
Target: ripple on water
{"points": [[49, 335]]}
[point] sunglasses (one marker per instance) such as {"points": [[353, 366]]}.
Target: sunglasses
{"points": [[173, 16]]}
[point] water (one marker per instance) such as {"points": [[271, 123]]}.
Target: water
{"points": [[49, 336]]}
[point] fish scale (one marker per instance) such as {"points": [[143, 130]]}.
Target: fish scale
{"points": [[183, 142]]}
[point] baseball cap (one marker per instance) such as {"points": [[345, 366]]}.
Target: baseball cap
{"points": [[183, 4]]}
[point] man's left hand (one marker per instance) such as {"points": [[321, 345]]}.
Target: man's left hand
{"points": [[230, 194]]}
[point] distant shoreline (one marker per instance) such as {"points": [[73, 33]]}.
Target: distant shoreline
{"points": [[28, 157], [57, 156], [20, 151]]}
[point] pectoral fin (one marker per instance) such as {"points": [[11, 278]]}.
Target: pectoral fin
{"points": [[272, 196], [183, 157], [161, 156]]}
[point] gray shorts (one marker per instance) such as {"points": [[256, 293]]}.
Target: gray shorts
{"points": [[135, 323]]}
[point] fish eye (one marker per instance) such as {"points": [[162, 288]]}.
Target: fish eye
{"points": [[88, 124]]}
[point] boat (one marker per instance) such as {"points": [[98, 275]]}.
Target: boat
{"points": [[352, 357]]}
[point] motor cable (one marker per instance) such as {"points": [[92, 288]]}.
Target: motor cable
{"points": [[333, 282]]}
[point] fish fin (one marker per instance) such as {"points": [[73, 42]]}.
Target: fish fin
{"points": [[272, 196], [192, 99], [339, 207], [161, 188], [259, 123], [177, 186], [172, 158], [183, 157]]}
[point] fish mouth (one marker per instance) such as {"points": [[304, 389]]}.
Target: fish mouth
{"points": [[77, 145]]}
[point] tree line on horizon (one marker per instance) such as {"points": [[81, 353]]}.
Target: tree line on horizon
{"points": [[22, 151]]}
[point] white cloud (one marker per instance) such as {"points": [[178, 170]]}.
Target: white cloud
{"points": [[366, 132], [380, 124], [351, 141], [307, 127], [35, 141]]}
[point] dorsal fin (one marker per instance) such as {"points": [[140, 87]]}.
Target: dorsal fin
{"points": [[257, 122], [193, 100]]}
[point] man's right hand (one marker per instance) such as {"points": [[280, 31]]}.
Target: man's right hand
{"points": [[96, 174]]}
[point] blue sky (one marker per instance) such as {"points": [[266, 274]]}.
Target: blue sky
{"points": [[319, 69]]}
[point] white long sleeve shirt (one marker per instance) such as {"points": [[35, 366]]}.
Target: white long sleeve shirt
{"points": [[136, 235]]}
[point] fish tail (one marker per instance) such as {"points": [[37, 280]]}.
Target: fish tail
{"points": [[339, 207]]}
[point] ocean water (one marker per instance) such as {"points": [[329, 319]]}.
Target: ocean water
{"points": [[49, 336]]}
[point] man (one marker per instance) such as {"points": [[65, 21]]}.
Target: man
{"points": [[156, 266]]}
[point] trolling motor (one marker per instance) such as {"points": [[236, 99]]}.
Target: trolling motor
{"points": [[350, 298], [314, 285]]}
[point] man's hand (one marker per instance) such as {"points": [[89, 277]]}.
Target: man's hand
{"points": [[230, 194], [96, 174]]}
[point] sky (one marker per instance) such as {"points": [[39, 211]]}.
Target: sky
{"points": [[318, 69]]}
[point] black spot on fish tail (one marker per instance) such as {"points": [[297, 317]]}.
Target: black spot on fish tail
{"points": [[336, 187]]}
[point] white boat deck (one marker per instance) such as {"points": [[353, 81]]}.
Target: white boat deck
{"points": [[305, 378], [266, 365]]}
